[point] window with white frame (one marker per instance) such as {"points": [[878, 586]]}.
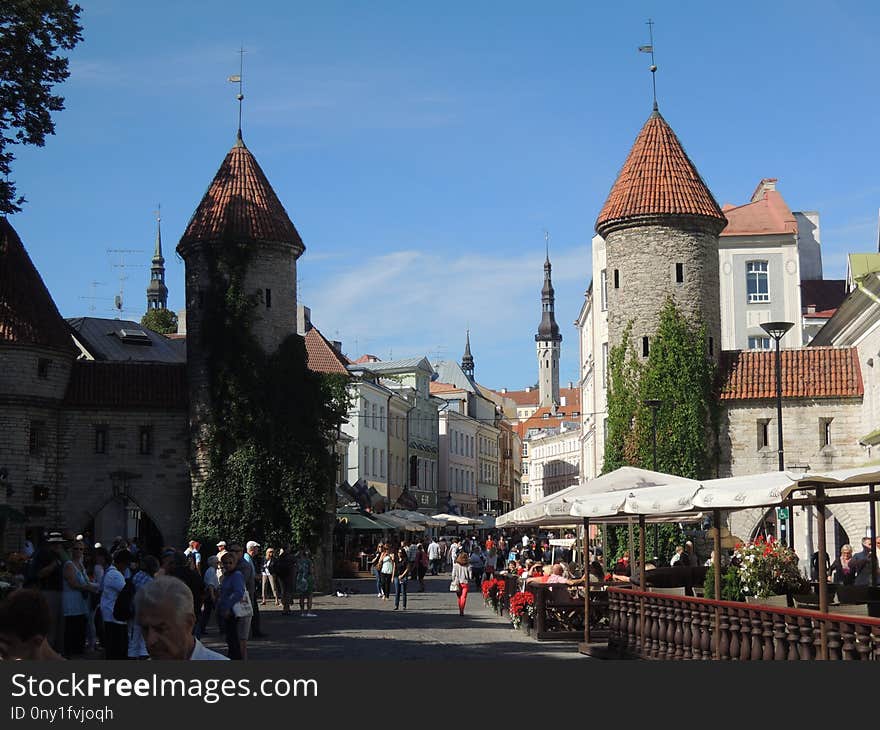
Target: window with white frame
{"points": [[757, 283], [759, 343], [603, 289]]}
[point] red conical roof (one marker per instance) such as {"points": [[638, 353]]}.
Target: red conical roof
{"points": [[28, 316], [240, 205], [657, 179]]}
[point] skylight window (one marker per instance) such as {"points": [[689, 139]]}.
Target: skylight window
{"points": [[134, 337]]}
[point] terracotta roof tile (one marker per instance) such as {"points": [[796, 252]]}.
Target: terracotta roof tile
{"points": [[28, 314], [96, 384], [537, 420], [812, 372], [657, 179], [241, 205], [436, 386], [766, 216], [322, 356], [524, 398]]}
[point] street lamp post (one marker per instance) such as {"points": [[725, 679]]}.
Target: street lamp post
{"points": [[777, 331]]}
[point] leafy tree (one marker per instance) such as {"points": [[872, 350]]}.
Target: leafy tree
{"points": [[680, 374], [31, 34], [271, 471], [163, 321]]}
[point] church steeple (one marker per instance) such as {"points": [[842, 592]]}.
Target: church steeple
{"points": [[157, 292], [467, 360], [548, 342], [548, 329]]}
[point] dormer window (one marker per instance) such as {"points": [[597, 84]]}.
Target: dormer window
{"points": [[134, 337]]}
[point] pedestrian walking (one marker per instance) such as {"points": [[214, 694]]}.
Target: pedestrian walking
{"points": [[460, 577], [137, 649], [115, 631], [211, 594], [375, 568], [269, 580], [477, 563], [232, 591], [75, 595], [305, 582], [434, 556], [401, 578], [386, 571]]}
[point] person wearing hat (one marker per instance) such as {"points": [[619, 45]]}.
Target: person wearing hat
{"points": [[221, 549], [49, 574], [252, 556]]}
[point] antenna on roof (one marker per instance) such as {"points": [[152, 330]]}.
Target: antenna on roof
{"points": [[237, 79], [119, 298], [92, 299], [650, 49]]}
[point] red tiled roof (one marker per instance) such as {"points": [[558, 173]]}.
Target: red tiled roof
{"points": [[537, 420], [365, 359], [28, 315], [824, 314], [657, 179], [766, 216], [322, 356], [96, 384], [240, 205], [813, 372], [524, 398], [438, 387]]}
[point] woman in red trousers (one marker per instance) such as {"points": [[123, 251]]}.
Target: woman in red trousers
{"points": [[461, 575]]}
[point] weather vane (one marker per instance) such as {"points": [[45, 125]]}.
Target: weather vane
{"points": [[237, 79], [650, 49], [547, 242]]}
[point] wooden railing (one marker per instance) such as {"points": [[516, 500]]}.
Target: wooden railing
{"points": [[660, 626]]}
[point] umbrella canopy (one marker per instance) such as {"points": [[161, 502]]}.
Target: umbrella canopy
{"points": [[458, 519], [416, 517], [393, 522], [359, 522], [754, 490]]}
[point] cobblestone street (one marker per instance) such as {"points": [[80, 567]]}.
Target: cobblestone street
{"points": [[362, 626]]}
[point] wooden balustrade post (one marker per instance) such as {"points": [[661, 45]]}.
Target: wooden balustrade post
{"points": [[642, 585], [823, 573], [586, 580], [716, 519]]}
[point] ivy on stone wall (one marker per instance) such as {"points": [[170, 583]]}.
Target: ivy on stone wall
{"points": [[272, 422], [680, 374]]}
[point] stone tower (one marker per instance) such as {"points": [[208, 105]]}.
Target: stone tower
{"points": [[36, 359], [660, 224], [157, 292], [547, 343], [467, 360], [241, 216]]}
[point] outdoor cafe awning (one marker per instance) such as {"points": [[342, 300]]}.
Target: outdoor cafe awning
{"points": [[415, 517], [458, 519], [393, 522]]}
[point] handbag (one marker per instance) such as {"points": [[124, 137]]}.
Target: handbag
{"points": [[243, 609], [455, 586]]}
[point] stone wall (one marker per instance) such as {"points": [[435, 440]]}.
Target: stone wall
{"points": [[157, 482], [645, 259], [739, 451]]}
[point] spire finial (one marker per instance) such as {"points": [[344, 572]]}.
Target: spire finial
{"points": [[158, 213], [238, 79], [650, 49]]}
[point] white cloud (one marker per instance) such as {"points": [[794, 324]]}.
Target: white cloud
{"points": [[413, 303]]}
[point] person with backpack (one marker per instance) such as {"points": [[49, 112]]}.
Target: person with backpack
{"points": [[117, 590]]}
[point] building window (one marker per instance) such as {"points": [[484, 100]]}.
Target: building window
{"points": [[616, 278], [100, 439], [603, 289], [711, 346], [763, 433], [365, 470], [375, 471], [382, 463], [43, 367], [268, 299], [825, 432], [381, 418], [41, 493], [645, 347], [759, 343], [37, 437], [604, 364], [145, 440], [757, 284], [679, 273]]}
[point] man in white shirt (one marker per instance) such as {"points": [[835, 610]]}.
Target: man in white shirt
{"points": [[434, 556], [164, 611], [115, 632]]}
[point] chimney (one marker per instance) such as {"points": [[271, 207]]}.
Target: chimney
{"points": [[337, 345], [303, 319], [528, 389], [503, 390], [570, 385], [767, 185]]}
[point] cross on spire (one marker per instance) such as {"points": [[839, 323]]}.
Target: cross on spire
{"points": [[238, 79], [653, 68]]}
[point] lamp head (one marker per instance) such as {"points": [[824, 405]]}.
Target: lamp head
{"points": [[777, 330]]}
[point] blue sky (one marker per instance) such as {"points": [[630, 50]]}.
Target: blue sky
{"points": [[422, 150]]}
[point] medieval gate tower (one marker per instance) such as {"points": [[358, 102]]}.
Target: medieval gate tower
{"points": [[660, 224]]}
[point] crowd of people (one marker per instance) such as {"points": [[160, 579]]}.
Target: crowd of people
{"points": [[80, 598]]}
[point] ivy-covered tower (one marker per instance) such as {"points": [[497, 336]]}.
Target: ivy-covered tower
{"points": [[660, 224], [239, 230], [548, 342], [157, 292]]}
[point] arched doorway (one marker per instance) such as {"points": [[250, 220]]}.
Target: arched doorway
{"points": [[122, 517]]}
